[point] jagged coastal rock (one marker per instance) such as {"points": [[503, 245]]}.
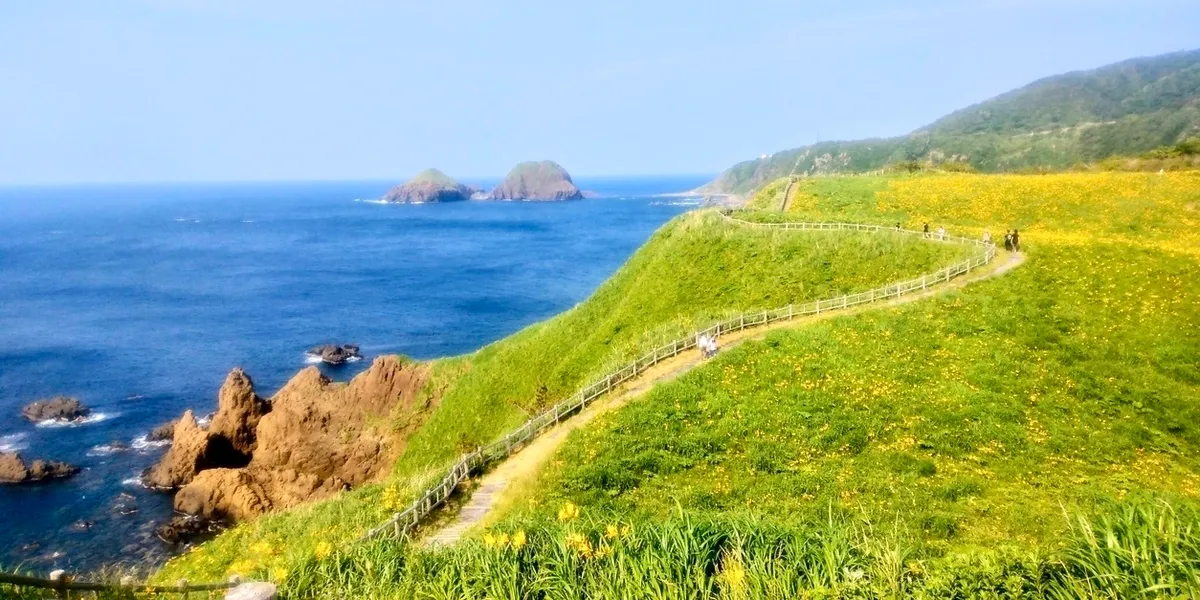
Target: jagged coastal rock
{"points": [[193, 450], [545, 180], [238, 411], [14, 470], [58, 408], [430, 185], [312, 439], [335, 354]]}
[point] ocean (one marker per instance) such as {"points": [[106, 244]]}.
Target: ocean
{"points": [[139, 299]]}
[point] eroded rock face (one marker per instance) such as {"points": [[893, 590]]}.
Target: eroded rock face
{"points": [[13, 469], [193, 450], [59, 408], [319, 438], [238, 412]]}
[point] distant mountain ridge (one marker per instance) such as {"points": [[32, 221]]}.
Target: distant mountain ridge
{"points": [[1124, 108]]}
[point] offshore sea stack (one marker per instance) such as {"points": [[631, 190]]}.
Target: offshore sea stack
{"points": [[312, 439], [544, 180], [13, 469], [430, 185]]}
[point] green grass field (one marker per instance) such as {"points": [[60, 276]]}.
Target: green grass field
{"points": [[1034, 435], [693, 271]]}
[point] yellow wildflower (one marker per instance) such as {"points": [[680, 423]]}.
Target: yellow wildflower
{"points": [[489, 540], [323, 550], [568, 511], [734, 574], [612, 532], [518, 539]]}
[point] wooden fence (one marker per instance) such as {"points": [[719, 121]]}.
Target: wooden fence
{"points": [[64, 586], [403, 522]]}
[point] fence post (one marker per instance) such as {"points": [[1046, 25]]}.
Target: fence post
{"points": [[59, 577], [183, 586], [791, 311]]}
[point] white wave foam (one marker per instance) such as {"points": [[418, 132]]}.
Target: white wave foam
{"points": [[247, 220], [203, 422], [12, 442], [372, 200], [133, 482], [181, 220], [676, 203], [141, 443], [106, 450], [95, 417], [311, 359], [354, 359]]}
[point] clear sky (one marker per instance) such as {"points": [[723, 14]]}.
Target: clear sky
{"points": [[198, 90]]}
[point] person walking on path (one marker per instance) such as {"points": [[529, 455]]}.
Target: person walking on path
{"points": [[1016, 241], [987, 236], [942, 233], [1008, 240]]}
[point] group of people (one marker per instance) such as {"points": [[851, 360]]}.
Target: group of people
{"points": [[707, 345], [1012, 241], [941, 232]]}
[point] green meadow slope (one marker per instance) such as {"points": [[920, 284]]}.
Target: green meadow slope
{"points": [[693, 271], [1034, 435]]}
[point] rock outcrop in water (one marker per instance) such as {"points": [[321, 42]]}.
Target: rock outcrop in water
{"points": [[58, 408], [335, 354], [13, 469], [545, 180], [430, 185], [318, 438], [163, 433]]}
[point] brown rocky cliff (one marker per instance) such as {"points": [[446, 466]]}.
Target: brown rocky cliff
{"points": [[319, 437], [238, 412], [193, 450]]}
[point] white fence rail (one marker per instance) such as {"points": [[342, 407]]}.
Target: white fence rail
{"points": [[403, 522]]}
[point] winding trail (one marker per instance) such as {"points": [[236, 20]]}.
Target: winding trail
{"points": [[497, 488]]}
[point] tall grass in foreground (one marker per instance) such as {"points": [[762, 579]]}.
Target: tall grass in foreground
{"points": [[1127, 551]]}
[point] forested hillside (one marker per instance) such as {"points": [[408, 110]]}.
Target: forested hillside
{"points": [[1124, 108]]}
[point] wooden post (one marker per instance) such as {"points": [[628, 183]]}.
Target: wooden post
{"points": [[183, 586], [59, 577]]}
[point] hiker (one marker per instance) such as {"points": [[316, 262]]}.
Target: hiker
{"points": [[942, 233], [1016, 241], [702, 345], [712, 346], [987, 236], [897, 226], [925, 230], [1008, 240]]}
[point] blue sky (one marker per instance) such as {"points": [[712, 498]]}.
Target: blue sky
{"points": [[199, 90]]}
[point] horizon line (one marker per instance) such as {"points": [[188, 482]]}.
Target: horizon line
{"points": [[395, 181]]}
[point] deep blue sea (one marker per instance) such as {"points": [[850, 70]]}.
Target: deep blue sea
{"points": [[139, 300]]}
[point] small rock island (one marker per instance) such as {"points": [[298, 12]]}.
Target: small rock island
{"points": [[430, 185], [534, 180], [544, 180]]}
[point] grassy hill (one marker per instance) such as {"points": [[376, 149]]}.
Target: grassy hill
{"points": [[1124, 108], [1036, 435], [693, 271]]}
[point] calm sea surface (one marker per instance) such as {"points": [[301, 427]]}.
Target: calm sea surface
{"points": [[139, 299]]}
